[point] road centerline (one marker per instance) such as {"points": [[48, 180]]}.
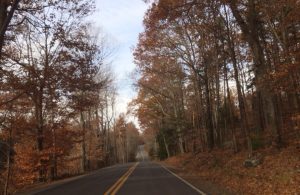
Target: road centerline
{"points": [[115, 188]]}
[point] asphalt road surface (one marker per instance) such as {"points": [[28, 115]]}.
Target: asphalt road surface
{"points": [[144, 178]]}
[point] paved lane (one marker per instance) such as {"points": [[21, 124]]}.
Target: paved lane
{"points": [[152, 179], [143, 178], [94, 184]]}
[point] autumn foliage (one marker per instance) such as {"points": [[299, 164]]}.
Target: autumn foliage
{"points": [[56, 92], [219, 75]]}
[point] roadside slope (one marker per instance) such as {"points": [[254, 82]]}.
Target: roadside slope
{"points": [[278, 174]]}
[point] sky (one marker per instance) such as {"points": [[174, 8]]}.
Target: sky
{"points": [[122, 21]]}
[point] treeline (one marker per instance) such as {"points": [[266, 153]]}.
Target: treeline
{"points": [[219, 74], [57, 94], [127, 139]]}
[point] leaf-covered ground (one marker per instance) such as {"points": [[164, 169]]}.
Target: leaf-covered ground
{"points": [[278, 174]]}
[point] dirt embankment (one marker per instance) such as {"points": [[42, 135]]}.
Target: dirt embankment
{"points": [[279, 172]]}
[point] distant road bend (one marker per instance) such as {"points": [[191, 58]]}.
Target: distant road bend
{"points": [[143, 178]]}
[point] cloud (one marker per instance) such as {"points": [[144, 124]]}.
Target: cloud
{"points": [[122, 19]]}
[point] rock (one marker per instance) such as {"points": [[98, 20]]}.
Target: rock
{"points": [[254, 161], [251, 163]]}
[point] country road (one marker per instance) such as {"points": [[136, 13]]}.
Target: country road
{"points": [[144, 178]]}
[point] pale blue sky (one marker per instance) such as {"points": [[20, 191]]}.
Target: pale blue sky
{"points": [[122, 21]]}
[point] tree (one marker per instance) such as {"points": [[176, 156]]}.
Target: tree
{"points": [[5, 18], [216, 43], [55, 71]]}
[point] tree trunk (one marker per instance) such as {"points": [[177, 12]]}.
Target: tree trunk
{"points": [[5, 18], [209, 120], [179, 134], [8, 164], [242, 107], [40, 132], [217, 126], [53, 172], [250, 29], [230, 112], [83, 125], [166, 146]]}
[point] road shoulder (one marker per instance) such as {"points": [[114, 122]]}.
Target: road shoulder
{"points": [[48, 185], [205, 186], [38, 187]]}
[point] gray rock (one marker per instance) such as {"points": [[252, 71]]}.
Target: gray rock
{"points": [[253, 161]]}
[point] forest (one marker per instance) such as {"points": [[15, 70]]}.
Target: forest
{"points": [[217, 81], [220, 75], [57, 95], [215, 73]]}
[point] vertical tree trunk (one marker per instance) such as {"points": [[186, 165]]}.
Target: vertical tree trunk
{"points": [[53, 172], [166, 145], [217, 109], [40, 132], [250, 29], [54, 159], [197, 120], [178, 129], [242, 107], [5, 18], [230, 112], [278, 121], [8, 163], [83, 146], [209, 120]]}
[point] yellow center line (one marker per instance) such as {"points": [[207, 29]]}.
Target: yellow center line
{"points": [[115, 188]]}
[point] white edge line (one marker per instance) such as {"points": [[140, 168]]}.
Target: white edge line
{"points": [[184, 181]]}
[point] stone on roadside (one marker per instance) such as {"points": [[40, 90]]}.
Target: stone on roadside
{"points": [[254, 161]]}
